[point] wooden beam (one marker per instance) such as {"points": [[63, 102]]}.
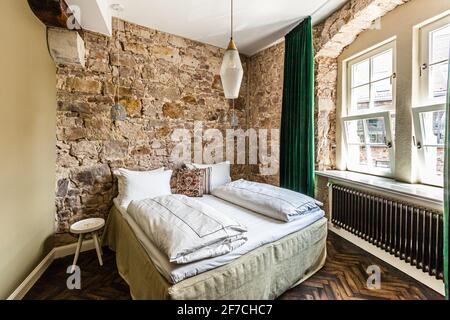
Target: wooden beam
{"points": [[53, 13]]}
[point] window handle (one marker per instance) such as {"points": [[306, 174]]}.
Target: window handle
{"points": [[393, 76], [387, 143], [424, 66], [418, 144]]}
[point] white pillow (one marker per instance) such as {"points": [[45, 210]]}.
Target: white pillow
{"points": [[139, 185], [220, 173], [121, 182]]}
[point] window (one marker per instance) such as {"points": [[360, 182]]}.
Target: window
{"points": [[429, 123], [434, 56], [368, 140], [370, 111], [429, 118], [370, 79]]}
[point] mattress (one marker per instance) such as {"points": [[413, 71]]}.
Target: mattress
{"points": [[258, 235]]}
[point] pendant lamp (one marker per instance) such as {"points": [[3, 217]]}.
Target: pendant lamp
{"points": [[231, 72]]}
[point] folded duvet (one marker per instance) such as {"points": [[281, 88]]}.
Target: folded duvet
{"points": [[278, 203], [185, 229]]}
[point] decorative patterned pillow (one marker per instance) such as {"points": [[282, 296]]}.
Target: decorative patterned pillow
{"points": [[191, 182], [219, 173]]}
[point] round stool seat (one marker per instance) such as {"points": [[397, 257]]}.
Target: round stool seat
{"points": [[83, 227], [87, 225]]}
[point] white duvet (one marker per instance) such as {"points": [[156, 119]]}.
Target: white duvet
{"points": [[277, 203], [185, 229]]}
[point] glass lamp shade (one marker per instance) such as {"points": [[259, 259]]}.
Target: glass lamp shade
{"points": [[231, 72]]}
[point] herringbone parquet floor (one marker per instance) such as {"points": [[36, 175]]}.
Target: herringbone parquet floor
{"points": [[343, 277]]}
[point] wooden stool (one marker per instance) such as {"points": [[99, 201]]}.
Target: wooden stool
{"points": [[83, 228]]}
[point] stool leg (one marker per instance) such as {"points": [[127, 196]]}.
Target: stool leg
{"points": [[97, 248], [77, 252]]}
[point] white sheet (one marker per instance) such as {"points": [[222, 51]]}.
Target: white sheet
{"points": [[185, 229], [261, 230]]}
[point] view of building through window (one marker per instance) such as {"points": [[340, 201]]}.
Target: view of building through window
{"points": [[431, 115], [439, 41], [434, 129], [368, 136], [370, 121], [372, 83]]}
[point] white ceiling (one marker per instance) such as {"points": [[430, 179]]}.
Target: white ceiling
{"points": [[258, 23]]}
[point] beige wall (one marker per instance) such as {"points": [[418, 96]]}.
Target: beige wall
{"points": [[27, 141], [399, 23]]}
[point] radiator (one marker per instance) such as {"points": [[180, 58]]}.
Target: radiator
{"points": [[407, 231]]}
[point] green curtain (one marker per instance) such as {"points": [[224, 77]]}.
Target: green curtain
{"points": [[446, 187], [297, 117]]}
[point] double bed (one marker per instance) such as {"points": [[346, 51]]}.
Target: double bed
{"points": [[276, 257]]}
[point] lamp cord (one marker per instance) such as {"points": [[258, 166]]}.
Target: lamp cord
{"points": [[232, 18], [118, 62]]}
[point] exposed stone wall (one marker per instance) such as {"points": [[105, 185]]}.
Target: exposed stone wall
{"points": [[167, 82], [265, 97], [330, 38], [342, 27]]}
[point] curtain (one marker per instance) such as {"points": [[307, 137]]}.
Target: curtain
{"points": [[447, 186], [297, 117]]}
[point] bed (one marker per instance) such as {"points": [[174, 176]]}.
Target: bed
{"points": [[266, 266]]}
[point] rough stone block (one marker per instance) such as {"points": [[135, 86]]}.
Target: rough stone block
{"points": [[66, 47]]}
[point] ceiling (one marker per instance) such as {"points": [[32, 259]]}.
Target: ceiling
{"points": [[258, 23]]}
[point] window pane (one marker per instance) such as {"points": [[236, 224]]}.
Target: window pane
{"points": [[357, 155], [362, 155], [360, 98], [355, 131], [382, 93], [382, 66], [360, 73], [439, 44], [433, 124], [376, 130], [380, 156], [438, 81], [434, 159]]}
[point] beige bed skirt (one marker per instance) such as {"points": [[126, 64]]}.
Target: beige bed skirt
{"points": [[264, 273]]}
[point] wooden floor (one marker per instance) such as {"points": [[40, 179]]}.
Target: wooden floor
{"points": [[343, 277]]}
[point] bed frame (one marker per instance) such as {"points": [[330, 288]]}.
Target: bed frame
{"points": [[264, 273]]}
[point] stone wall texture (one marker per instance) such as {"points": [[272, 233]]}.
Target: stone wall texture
{"points": [[330, 37], [167, 82], [265, 97]]}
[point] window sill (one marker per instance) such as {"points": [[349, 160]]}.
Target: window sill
{"points": [[420, 191]]}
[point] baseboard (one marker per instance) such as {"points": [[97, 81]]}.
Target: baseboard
{"points": [[55, 253], [33, 277], [67, 250], [422, 277]]}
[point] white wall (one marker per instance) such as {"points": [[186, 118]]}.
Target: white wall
{"points": [[27, 144]]}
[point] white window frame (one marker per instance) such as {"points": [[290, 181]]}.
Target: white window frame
{"points": [[425, 104], [420, 146], [370, 54], [386, 115], [372, 112], [424, 55]]}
